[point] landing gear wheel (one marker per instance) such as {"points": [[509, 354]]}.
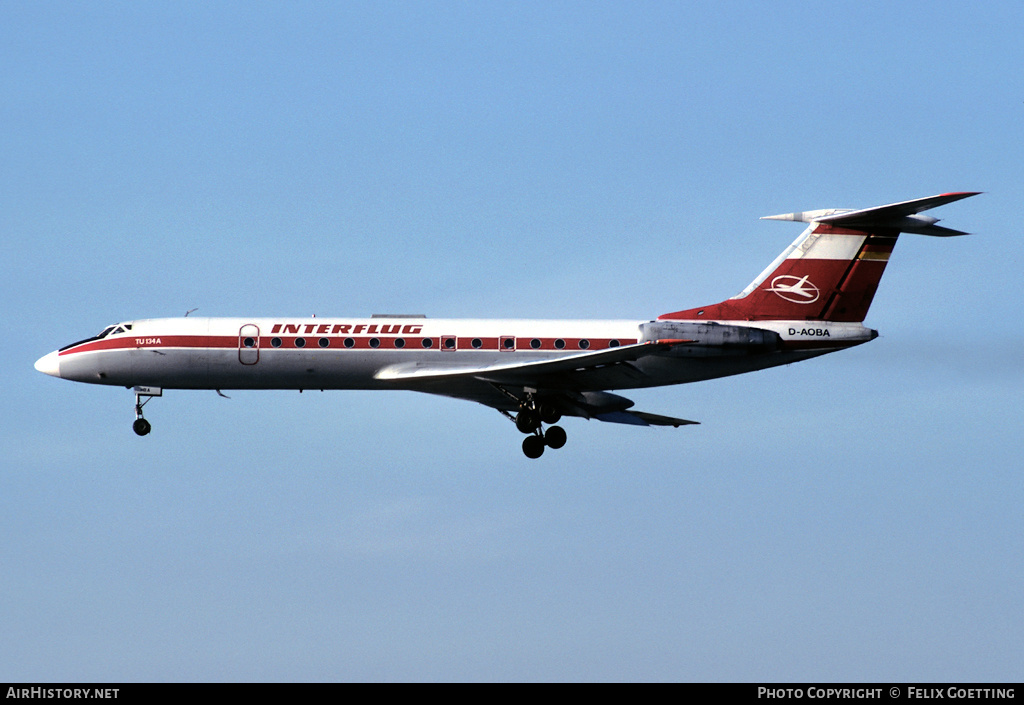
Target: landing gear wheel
{"points": [[527, 421], [141, 426], [533, 446], [549, 413], [554, 437]]}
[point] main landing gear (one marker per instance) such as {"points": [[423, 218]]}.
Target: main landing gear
{"points": [[529, 420]]}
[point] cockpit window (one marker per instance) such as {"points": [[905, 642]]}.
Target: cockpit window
{"points": [[114, 330], [109, 330]]}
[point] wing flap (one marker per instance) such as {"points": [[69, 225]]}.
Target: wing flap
{"points": [[658, 420], [642, 418]]}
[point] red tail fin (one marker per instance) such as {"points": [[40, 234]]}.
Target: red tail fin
{"points": [[833, 269]]}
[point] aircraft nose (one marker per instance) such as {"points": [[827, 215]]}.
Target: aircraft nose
{"points": [[49, 364]]}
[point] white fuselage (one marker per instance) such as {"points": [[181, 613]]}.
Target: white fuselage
{"points": [[358, 353]]}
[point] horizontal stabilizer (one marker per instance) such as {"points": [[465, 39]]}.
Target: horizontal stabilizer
{"points": [[903, 216]]}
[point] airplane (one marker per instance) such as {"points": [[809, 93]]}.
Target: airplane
{"points": [[810, 301]]}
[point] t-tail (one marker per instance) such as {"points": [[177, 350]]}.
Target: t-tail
{"points": [[831, 272]]}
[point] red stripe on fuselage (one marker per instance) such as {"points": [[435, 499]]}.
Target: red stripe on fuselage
{"points": [[338, 343], [155, 341]]}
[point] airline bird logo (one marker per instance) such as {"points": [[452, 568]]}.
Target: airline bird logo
{"points": [[796, 289]]}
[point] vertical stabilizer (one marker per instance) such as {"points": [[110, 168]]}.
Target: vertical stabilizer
{"points": [[831, 272]]}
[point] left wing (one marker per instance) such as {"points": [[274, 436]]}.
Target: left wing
{"points": [[503, 385], [523, 372]]}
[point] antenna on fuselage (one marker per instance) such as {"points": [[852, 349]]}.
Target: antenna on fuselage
{"points": [[191, 310]]}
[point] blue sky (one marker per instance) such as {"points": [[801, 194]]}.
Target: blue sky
{"points": [[855, 517]]}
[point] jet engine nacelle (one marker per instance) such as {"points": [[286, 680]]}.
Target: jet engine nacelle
{"points": [[705, 339]]}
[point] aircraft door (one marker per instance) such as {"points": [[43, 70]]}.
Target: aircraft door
{"points": [[249, 344]]}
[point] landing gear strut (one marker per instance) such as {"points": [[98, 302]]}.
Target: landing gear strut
{"points": [[141, 426]]}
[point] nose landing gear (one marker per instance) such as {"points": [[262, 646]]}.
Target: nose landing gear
{"points": [[141, 426]]}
